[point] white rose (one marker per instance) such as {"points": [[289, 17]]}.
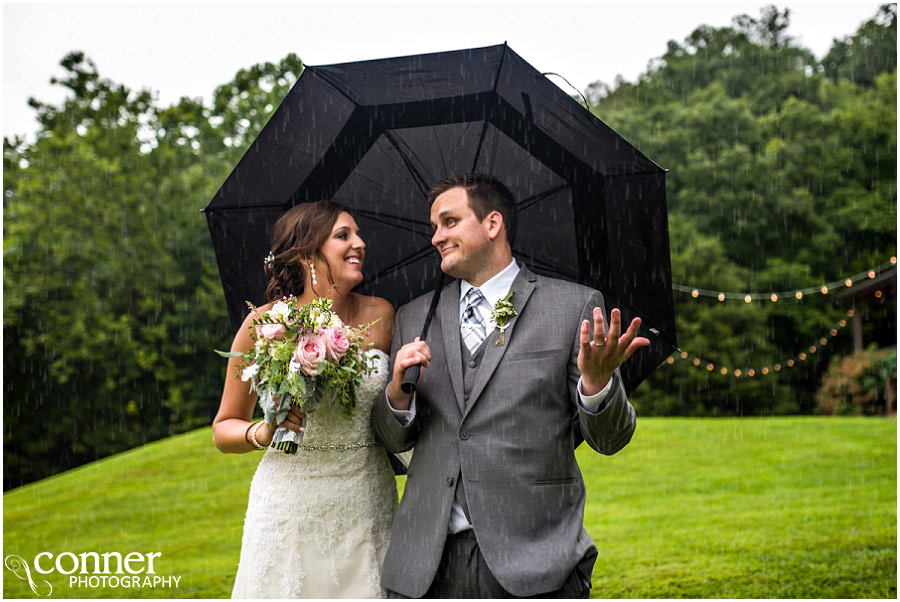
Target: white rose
{"points": [[335, 322], [281, 309]]}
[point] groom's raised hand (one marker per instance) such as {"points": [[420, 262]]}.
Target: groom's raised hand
{"points": [[601, 354]]}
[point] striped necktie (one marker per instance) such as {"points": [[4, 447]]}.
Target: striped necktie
{"points": [[472, 326]]}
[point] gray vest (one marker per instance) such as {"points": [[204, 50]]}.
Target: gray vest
{"points": [[471, 365]]}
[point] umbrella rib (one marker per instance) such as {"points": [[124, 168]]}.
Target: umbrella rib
{"points": [[480, 141], [532, 200], [383, 216], [417, 177], [458, 141], [633, 175], [517, 166], [494, 149], [463, 135], [405, 262], [485, 126], [286, 147], [246, 208], [437, 143], [328, 81], [558, 269], [387, 221], [374, 181]]}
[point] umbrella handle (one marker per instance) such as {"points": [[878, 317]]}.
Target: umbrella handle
{"points": [[411, 374], [410, 378]]}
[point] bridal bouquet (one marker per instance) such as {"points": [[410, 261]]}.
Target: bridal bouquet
{"points": [[305, 355]]}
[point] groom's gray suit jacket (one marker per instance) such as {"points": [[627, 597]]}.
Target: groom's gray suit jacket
{"points": [[512, 441]]}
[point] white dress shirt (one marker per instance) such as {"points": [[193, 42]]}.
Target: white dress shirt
{"points": [[493, 290]]}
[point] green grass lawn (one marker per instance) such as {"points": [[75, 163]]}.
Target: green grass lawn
{"points": [[733, 508]]}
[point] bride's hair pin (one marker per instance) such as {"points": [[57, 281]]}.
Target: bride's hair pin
{"points": [[312, 273], [269, 260]]}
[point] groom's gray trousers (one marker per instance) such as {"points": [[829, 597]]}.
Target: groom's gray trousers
{"points": [[463, 573]]}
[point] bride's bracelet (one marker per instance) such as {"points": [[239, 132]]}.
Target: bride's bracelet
{"points": [[254, 426]]}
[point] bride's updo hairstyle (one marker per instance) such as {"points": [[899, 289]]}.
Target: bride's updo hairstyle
{"points": [[297, 237]]}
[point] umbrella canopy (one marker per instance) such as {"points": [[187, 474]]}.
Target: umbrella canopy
{"points": [[376, 135]]}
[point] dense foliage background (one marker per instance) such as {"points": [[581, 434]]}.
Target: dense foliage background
{"points": [[782, 176]]}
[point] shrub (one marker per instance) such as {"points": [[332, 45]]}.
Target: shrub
{"points": [[859, 383]]}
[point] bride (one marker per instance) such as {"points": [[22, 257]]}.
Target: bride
{"points": [[317, 522]]}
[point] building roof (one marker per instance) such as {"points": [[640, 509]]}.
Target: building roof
{"points": [[886, 281]]}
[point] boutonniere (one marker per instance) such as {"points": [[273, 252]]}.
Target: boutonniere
{"points": [[502, 314]]}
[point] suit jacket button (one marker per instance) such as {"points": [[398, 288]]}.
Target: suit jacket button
{"points": [[472, 364], [464, 435], [449, 481], [466, 397]]}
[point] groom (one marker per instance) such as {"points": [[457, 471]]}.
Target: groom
{"points": [[494, 499]]}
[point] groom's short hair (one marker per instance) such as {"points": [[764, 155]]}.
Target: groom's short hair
{"points": [[485, 193]]}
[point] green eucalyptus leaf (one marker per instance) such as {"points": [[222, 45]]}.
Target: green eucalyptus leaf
{"points": [[229, 353]]}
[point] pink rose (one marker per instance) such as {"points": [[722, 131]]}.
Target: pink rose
{"points": [[336, 343], [273, 331], [257, 330], [309, 352]]}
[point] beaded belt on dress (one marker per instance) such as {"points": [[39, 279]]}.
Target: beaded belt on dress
{"points": [[337, 446]]}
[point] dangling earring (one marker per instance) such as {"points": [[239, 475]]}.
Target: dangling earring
{"points": [[312, 274]]}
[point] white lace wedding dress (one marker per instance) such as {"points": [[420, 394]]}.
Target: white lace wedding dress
{"points": [[317, 522]]}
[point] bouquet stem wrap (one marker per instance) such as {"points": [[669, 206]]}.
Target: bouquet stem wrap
{"points": [[286, 440]]}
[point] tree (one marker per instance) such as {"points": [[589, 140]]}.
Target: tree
{"points": [[746, 59], [112, 301], [779, 179], [871, 51]]}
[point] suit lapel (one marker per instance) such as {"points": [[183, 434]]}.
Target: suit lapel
{"points": [[448, 312], [522, 287]]}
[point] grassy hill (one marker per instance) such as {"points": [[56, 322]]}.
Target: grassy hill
{"points": [[734, 508]]}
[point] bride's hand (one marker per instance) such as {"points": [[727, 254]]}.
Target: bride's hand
{"points": [[295, 421]]}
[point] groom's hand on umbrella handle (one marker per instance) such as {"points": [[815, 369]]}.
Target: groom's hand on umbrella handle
{"points": [[601, 354], [411, 354]]}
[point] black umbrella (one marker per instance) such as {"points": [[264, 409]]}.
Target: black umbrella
{"points": [[375, 135]]}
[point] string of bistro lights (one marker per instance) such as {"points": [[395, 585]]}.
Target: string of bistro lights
{"points": [[698, 362], [798, 294]]}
